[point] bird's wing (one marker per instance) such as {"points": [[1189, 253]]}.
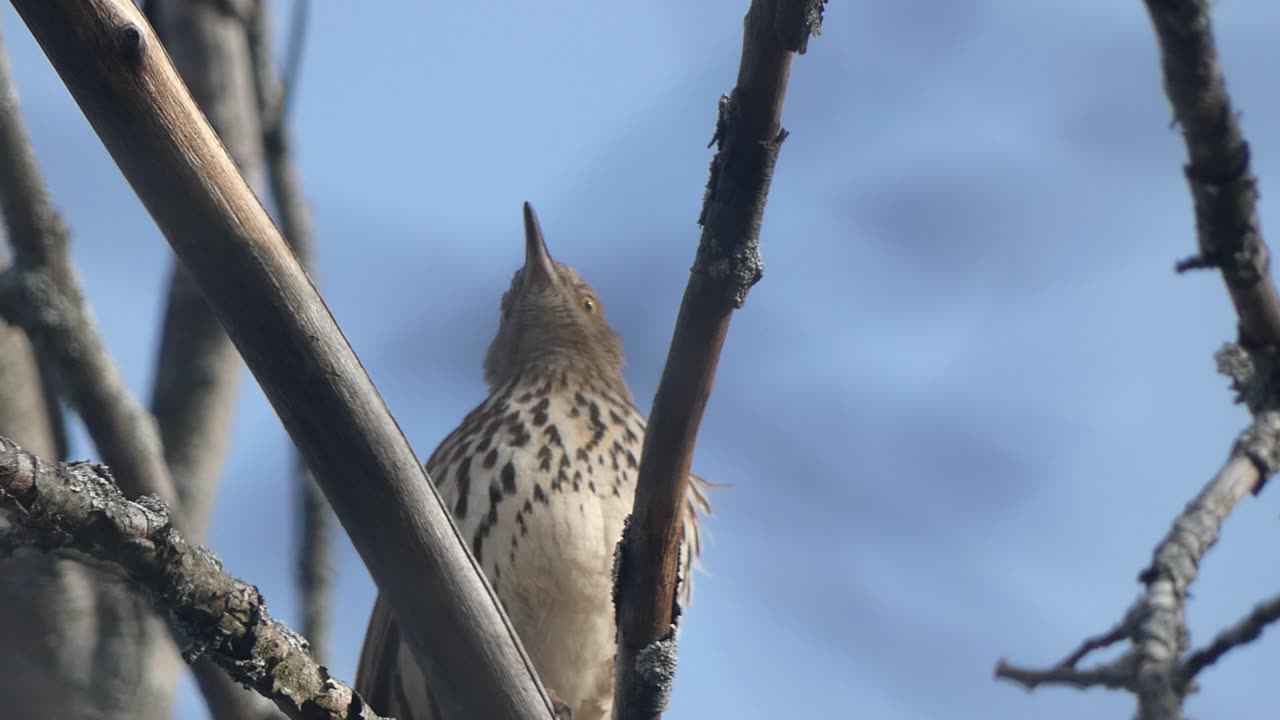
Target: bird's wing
{"points": [[387, 676], [380, 676]]}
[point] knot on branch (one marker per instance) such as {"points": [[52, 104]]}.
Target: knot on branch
{"points": [[131, 44]]}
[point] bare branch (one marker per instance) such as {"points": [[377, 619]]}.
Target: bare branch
{"points": [[749, 135], [198, 369], [1097, 642], [1116, 676], [1162, 635], [130, 93], [292, 62], [1222, 183], [1224, 191], [78, 506], [293, 212], [1157, 622], [315, 569], [315, 575], [63, 331], [1246, 631], [60, 598]]}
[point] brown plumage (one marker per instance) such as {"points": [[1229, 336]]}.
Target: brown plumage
{"points": [[540, 477]]}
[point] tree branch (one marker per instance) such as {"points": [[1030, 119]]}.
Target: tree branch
{"points": [[1115, 676], [63, 331], [1157, 623], [749, 135], [77, 506], [198, 369], [315, 576], [1222, 184], [1242, 633], [130, 93], [1224, 192]]}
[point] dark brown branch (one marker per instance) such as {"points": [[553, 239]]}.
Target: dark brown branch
{"points": [[113, 66], [77, 506], [1222, 183], [63, 331], [749, 135]]}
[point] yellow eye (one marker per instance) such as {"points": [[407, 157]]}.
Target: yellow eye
{"points": [[589, 304]]}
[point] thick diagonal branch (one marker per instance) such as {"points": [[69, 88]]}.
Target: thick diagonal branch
{"points": [[315, 574], [749, 135], [198, 368], [77, 506], [123, 82]]}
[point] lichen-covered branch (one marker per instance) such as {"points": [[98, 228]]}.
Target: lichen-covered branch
{"points": [[77, 506], [748, 136], [1156, 667], [115, 70], [1224, 192]]}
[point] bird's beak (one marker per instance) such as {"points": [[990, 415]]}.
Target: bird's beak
{"points": [[538, 266]]}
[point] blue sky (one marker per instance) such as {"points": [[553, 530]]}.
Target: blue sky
{"points": [[965, 402]]}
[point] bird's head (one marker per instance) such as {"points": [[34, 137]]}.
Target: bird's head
{"points": [[552, 321]]}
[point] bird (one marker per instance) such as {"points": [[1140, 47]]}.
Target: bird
{"points": [[540, 478]]}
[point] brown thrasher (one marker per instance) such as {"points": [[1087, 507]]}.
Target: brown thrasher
{"points": [[539, 478]]}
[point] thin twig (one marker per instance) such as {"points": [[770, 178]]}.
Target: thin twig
{"points": [[1116, 675], [1156, 622], [315, 567], [749, 135], [1243, 632], [77, 506], [1121, 631], [292, 61]]}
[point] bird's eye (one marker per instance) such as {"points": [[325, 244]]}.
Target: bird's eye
{"points": [[589, 304]]}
